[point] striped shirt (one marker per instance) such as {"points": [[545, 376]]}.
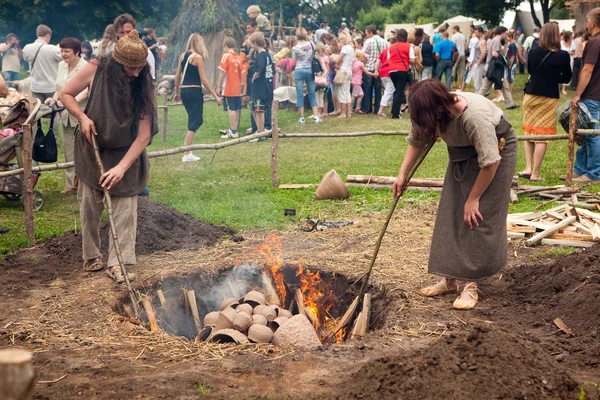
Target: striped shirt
{"points": [[373, 51]]}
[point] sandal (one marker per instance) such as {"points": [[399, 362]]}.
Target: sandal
{"points": [[431, 291], [115, 274], [539, 179], [524, 175], [93, 265], [471, 290]]}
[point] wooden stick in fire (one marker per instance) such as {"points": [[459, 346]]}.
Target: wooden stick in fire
{"points": [[356, 305], [113, 231]]}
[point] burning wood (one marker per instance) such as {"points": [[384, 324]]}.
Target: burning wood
{"points": [[306, 311], [191, 295], [150, 314], [271, 294]]}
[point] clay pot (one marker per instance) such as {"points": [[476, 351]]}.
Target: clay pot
{"points": [[268, 312], [260, 334], [225, 320], [245, 308], [276, 309], [242, 322], [211, 318], [259, 319], [228, 302], [332, 187], [228, 336], [205, 333], [258, 309], [254, 298], [297, 332], [276, 323], [284, 313]]}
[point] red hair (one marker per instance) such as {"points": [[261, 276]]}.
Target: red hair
{"points": [[430, 107]]}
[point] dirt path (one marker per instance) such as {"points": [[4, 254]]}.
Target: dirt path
{"points": [[68, 319]]}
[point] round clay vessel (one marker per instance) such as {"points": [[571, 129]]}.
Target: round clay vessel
{"points": [[258, 309], [269, 313], [228, 336], [254, 298], [228, 302], [260, 334], [211, 318], [245, 308], [276, 323], [242, 322], [285, 313], [205, 333], [225, 320], [259, 319]]}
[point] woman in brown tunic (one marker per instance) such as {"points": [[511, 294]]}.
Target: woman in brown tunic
{"points": [[469, 238]]}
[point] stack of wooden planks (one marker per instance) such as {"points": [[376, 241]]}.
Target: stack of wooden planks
{"points": [[575, 196], [559, 226]]}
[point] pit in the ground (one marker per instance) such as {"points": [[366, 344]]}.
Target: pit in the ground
{"points": [[329, 293]]}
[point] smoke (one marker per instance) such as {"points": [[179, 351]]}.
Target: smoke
{"points": [[240, 281]]}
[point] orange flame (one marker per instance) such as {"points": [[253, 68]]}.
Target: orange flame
{"points": [[272, 262]]}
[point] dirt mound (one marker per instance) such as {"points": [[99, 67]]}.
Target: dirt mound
{"points": [[160, 228], [481, 362], [535, 294]]}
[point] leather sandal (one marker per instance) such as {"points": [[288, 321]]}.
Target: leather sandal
{"points": [[115, 274], [471, 290], [93, 265], [431, 291]]}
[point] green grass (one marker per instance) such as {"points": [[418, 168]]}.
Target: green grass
{"points": [[203, 389], [232, 186], [554, 252]]}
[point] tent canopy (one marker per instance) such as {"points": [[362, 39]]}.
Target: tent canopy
{"points": [[427, 28]]}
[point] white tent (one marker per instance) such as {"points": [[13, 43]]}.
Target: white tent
{"points": [[522, 17], [427, 28], [463, 22]]}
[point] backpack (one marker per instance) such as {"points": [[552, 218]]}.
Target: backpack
{"points": [[535, 43]]}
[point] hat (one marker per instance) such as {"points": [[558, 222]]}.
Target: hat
{"points": [[131, 51], [520, 28]]}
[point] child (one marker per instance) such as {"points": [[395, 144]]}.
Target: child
{"points": [[261, 21], [321, 79], [262, 81], [230, 82], [358, 67]]}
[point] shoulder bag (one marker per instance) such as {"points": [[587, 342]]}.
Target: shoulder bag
{"points": [[317, 68], [35, 57], [44, 146], [408, 70], [529, 79]]}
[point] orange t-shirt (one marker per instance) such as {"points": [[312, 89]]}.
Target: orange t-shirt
{"points": [[232, 65]]}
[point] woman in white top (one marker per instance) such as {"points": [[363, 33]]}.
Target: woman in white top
{"points": [[344, 64], [70, 49], [108, 41], [567, 44]]}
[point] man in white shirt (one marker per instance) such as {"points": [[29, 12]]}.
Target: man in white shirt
{"points": [[373, 46], [528, 44], [459, 69], [11, 58], [320, 32], [43, 59], [124, 25]]}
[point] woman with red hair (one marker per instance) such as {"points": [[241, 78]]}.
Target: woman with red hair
{"points": [[469, 238]]}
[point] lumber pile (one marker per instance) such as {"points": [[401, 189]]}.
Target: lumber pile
{"points": [[560, 226], [575, 196]]}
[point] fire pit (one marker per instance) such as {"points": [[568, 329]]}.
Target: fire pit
{"points": [[265, 301]]}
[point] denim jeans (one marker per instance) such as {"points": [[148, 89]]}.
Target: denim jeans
{"points": [[445, 67], [268, 121], [10, 76], [400, 79], [300, 77], [587, 161], [426, 73], [370, 85]]}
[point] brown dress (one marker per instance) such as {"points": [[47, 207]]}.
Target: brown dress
{"points": [[114, 139], [457, 251]]}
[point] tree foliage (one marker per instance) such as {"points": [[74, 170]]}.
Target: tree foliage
{"points": [[410, 11], [490, 11], [84, 19]]}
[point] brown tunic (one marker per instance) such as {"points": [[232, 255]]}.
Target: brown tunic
{"points": [[457, 251], [115, 137]]}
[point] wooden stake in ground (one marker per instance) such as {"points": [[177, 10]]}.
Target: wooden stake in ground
{"points": [[191, 296], [271, 293], [571, 151], [165, 118], [274, 144], [16, 374], [150, 314], [113, 230], [302, 309], [27, 188], [363, 320]]}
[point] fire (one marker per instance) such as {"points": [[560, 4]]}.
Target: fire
{"points": [[272, 261], [318, 296]]}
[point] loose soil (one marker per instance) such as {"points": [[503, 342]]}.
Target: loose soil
{"points": [[420, 348]]}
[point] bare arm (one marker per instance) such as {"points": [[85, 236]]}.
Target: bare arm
{"points": [[76, 85], [4, 47], [483, 55], [584, 79], [177, 91], [114, 175], [222, 76], [412, 153], [484, 178], [3, 88], [366, 71], [199, 62]]}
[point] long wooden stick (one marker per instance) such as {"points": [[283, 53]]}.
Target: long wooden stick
{"points": [[274, 145], [113, 230], [27, 184], [410, 174], [571, 151]]}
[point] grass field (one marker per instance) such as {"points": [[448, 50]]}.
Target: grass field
{"points": [[233, 186]]}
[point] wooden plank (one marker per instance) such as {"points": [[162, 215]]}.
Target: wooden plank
{"points": [[528, 216], [389, 180], [582, 228], [513, 197], [566, 222], [539, 225], [564, 242], [572, 236], [595, 232], [299, 186], [522, 229], [515, 235], [556, 215], [588, 213]]}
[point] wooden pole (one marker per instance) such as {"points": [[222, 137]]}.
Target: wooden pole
{"points": [[165, 118], [302, 310], [150, 314], [27, 182], [16, 374], [191, 295], [113, 230], [571, 151], [274, 145]]}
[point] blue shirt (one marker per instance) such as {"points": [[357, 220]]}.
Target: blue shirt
{"points": [[444, 49], [437, 37]]}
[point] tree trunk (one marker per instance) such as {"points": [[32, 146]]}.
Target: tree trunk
{"points": [[536, 20]]}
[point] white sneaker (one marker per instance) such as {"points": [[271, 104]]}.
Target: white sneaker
{"points": [[249, 131], [223, 131], [190, 158], [229, 135], [317, 120], [301, 121]]}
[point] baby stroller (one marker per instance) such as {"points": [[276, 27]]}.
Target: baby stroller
{"points": [[11, 187]]}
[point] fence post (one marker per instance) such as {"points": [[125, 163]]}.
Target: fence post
{"points": [[165, 117], [571, 151], [27, 183], [274, 144]]}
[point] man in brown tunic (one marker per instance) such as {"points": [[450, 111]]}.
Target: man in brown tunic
{"points": [[119, 113]]}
